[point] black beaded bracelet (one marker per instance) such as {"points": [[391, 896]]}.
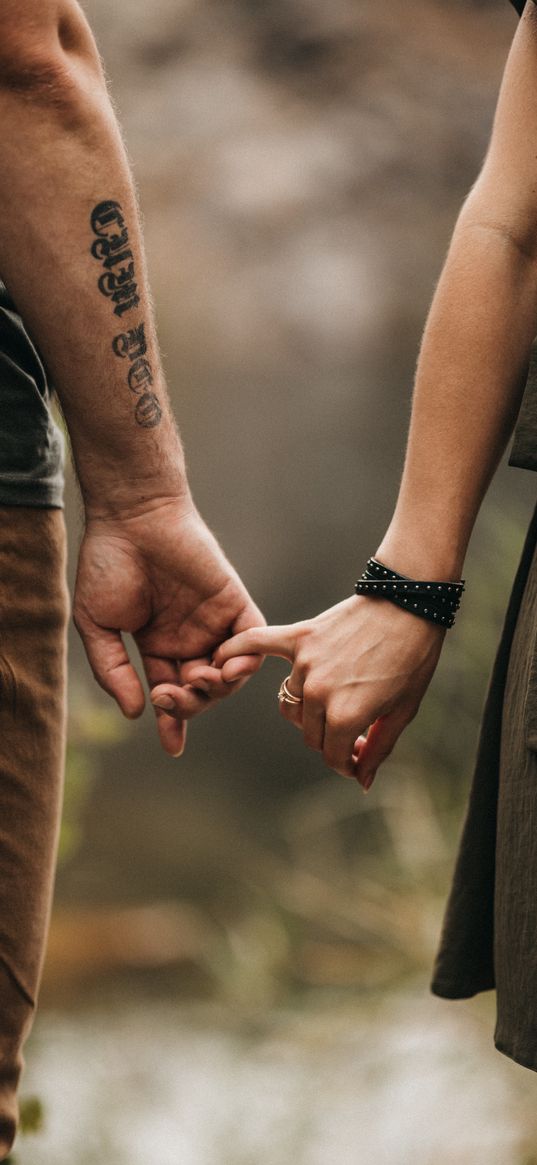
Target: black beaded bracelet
{"points": [[436, 601]]}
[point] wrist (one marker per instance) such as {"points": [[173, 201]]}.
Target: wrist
{"points": [[121, 483], [122, 495], [126, 511], [422, 554]]}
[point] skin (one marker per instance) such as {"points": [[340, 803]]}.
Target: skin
{"points": [[363, 666], [148, 564], [363, 662]]}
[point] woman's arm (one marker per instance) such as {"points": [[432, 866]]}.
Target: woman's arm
{"points": [[365, 662], [475, 348]]}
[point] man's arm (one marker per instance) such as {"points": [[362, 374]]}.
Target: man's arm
{"points": [[72, 257], [71, 254]]}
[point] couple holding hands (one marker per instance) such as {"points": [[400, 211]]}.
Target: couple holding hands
{"points": [[358, 670], [76, 317]]}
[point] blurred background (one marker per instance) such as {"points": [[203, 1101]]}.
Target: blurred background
{"points": [[240, 952]]}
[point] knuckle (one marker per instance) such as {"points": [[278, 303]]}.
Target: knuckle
{"points": [[398, 722], [339, 722], [303, 660], [302, 630], [315, 692], [337, 763]]}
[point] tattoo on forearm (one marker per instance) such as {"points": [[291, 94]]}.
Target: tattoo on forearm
{"points": [[132, 346], [111, 248]]}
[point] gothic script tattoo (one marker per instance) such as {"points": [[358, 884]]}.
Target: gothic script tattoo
{"points": [[111, 248], [132, 345]]}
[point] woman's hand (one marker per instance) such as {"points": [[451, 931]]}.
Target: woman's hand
{"points": [[363, 664]]}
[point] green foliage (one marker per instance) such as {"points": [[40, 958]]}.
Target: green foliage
{"points": [[31, 1121], [92, 728], [31, 1115]]}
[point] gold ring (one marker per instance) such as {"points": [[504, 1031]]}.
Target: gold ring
{"points": [[287, 697]]}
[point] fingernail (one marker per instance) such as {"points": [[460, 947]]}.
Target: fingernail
{"points": [[167, 703], [368, 780]]}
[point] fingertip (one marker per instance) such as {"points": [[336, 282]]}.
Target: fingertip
{"points": [[188, 702], [172, 734], [241, 667], [245, 643], [175, 755], [131, 704], [131, 713], [195, 669], [220, 657], [163, 700]]}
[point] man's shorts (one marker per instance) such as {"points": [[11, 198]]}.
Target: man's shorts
{"points": [[31, 443]]}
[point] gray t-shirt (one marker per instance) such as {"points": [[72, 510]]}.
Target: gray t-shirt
{"points": [[32, 447]]}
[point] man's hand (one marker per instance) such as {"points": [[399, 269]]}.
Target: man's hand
{"points": [[363, 664], [161, 576]]}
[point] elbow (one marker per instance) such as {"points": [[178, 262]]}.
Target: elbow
{"points": [[52, 62], [509, 214]]}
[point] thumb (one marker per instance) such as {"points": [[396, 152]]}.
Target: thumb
{"points": [[112, 668], [280, 641]]}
